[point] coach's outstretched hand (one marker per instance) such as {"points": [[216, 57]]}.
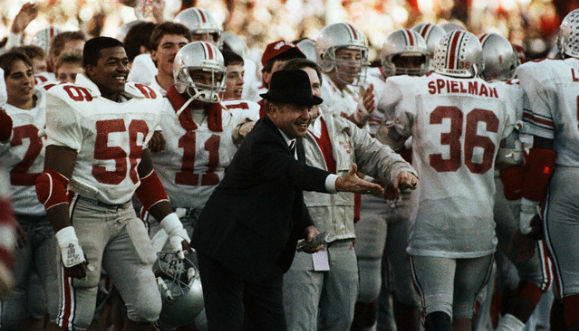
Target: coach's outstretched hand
{"points": [[352, 183]]}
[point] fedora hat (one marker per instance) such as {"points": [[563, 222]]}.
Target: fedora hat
{"points": [[291, 86]]}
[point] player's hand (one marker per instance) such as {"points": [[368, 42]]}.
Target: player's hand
{"points": [[21, 238], [352, 183], [405, 180], [245, 128], [76, 271], [178, 237], [368, 99], [6, 280], [157, 143], [27, 14], [523, 246], [71, 253]]}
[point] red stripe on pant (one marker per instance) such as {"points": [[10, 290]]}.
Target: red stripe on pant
{"points": [[67, 310]]}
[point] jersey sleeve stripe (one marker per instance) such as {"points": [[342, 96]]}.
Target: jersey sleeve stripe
{"points": [[537, 120]]}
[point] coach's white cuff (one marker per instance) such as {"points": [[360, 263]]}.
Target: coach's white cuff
{"points": [[331, 183]]}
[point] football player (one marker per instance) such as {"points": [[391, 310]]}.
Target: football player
{"points": [[97, 133], [23, 156], [234, 84], [234, 43], [201, 134], [553, 162], [457, 123], [342, 54], [166, 40], [69, 65], [329, 278], [383, 229], [201, 23], [500, 61]]}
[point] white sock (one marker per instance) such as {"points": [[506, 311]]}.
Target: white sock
{"points": [[509, 322]]}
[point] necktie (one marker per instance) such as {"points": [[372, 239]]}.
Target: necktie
{"points": [[292, 148]]}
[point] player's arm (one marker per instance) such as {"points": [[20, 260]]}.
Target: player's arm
{"points": [[51, 189], [537, 172], [152, 195], [5, 126]]}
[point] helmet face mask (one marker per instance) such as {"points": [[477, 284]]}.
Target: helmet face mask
{"points": [[404, 52], [568, 37], [458, 54], [333, 43], [500, 59], [350, 65], [199, 71], [180, 287]]}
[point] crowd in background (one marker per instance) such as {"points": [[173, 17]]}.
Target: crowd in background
{"points": [[530, 23]]}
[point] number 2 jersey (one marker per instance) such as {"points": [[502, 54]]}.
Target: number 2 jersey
{"points": [[108, 136], [200, 144], [552, 87], [23, 154], [456, 126]]}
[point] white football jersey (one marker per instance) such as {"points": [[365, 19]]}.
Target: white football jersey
{"points": [[552, 87], [250, 108], [377, 79], [44, 78], [23, 154], [155, 85], [197, 151], [108, 136], [143, 69], [338, 102], [456, 126]]}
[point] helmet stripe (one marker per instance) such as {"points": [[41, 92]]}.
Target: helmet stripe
{"points": [[201, 15], [425, 30], [208, 51], [352, 31], [483, 38], [409, 37], [453, 56]]}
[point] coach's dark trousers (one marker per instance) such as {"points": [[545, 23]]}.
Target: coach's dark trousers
{"points": [[232, 303]]}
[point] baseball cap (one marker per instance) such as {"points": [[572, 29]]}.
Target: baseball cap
{"points": [[278, 48]]}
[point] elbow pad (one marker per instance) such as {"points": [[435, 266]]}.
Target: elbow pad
{"points": [[151, 191], [51, 188], [538, 170]]}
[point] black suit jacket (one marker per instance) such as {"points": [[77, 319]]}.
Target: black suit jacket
{"points": [[253, 219]]}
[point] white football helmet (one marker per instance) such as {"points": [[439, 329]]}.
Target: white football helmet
{"points": [[43, 37], [308, 47], [453, 25], [568, 38], [499, 57], [180, 287], [431, 33], [199, 56], [458, 54], [342, 35], [199, 21], [233, 42], [404, 43]]}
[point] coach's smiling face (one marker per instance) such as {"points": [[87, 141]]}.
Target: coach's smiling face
{"points": [[110, 72]]}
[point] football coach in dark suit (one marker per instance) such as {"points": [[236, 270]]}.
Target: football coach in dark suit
{"points": [[246, 235]]}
